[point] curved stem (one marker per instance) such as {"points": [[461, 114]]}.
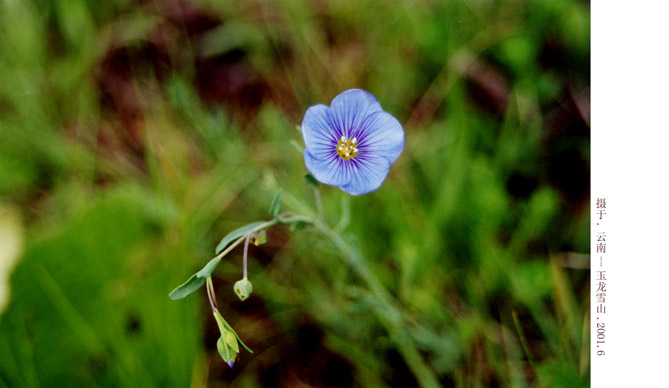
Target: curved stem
{"points": [[345, 213], [319, 204], [211, 294], [289, 218], [232, 246], [284, 219], [246, 251]]}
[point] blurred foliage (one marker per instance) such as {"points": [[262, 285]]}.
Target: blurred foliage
{"points": [[135, 134]]}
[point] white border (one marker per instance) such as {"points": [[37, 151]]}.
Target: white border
{"points": [[630, 167]]}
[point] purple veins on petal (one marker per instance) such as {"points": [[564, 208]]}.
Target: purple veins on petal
{"points": [[351, 143]]}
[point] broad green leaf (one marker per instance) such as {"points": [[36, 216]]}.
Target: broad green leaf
{"points": [[235, 234], [276, 204], [188, 287]]}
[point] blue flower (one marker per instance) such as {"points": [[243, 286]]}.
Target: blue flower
{"points": [[351, 143]]}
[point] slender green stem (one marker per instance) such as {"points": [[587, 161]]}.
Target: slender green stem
{"points": [[289, 218], [389, 314], [353, 258], [319, 204], [246, 252], [285, 218], [523, 341], [232, 246], [297, 146], [345, 213], [211, 295]]}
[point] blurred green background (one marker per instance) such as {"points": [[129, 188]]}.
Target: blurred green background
{"points": [[135, 134]]}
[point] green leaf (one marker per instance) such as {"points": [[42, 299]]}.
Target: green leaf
{"points": [[242, 343], [311, 180], [196, 281], [208, 269], [188, 287], [235, 234], [276, 204]]}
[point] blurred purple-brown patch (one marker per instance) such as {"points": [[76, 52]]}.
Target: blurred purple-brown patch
{"points": [[129, 66]]}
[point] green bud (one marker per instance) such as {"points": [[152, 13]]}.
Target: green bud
{"points": [[228, 344], [226, 353], [258, 238], [231, 341], [243, 289]]}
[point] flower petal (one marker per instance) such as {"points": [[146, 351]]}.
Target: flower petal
{"points": [[367, 174], [380, 134], [330, 171], [350, 108], [355, 115], [318, 133]]}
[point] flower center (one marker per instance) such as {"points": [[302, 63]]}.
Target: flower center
{"points": [[347, 148]]}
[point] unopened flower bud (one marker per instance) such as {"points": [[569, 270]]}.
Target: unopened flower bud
{"points": [[243, 289], [258, 238], [227, 345], [229, 342]]}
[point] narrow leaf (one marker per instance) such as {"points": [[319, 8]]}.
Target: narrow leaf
{"points": [[242, 343], [235, 234], [208, 269], [188, 287], [276, 204]]}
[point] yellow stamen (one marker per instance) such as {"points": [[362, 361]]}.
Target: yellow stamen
{"points": [[347, 148]]}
